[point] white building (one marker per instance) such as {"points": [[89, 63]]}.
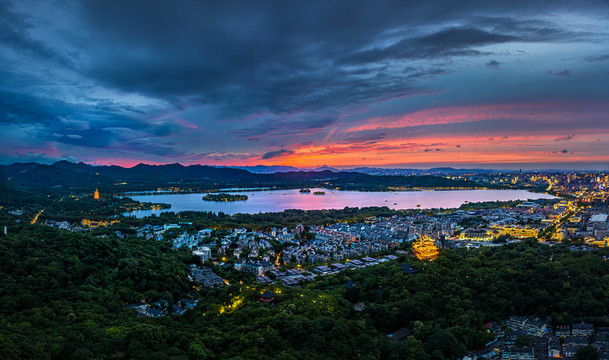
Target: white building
{"points": [[203, 252]]}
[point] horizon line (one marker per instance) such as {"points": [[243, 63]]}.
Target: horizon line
{"points": [[529, 166]]}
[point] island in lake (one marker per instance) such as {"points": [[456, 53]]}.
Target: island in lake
{"points": [[305, 190], [224, 197], [319, 193]]}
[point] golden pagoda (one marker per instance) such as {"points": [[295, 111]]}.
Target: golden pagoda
{"points": [[425, 248], [96, 194]]}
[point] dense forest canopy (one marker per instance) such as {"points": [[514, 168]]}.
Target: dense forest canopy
{"points": [[63, 295]]}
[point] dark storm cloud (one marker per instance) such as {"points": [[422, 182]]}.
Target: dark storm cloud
{"points": [[73, 124], [451, 42], [120, 74], [278, 153], [565, 138], [263, 56], [565, 72], [88, 138], [14, 29], [238, 57], [597, 58], [278, 126], [459, 41], [563, 151], [493, 64], [527, 30], [366, 137]]}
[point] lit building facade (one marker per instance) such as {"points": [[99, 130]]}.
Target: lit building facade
{"points": [[425, 248]]}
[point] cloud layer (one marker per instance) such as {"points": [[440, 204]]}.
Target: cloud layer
{"points": [[307, 83]]}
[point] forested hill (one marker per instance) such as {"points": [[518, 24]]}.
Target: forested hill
{"points": [[144, 177], [62, 296]]}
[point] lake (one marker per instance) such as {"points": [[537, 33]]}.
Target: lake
{"points": [[280, 200]]}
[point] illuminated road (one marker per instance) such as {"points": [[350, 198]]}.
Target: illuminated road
{"points": [[36, 217]]}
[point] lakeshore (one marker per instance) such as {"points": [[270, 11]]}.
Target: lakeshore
{"points": [[280, 200]]}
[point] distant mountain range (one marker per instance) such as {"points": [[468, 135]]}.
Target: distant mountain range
{"points": [[433, 171], [438, 171], [65, 173], [264, 169], [142, 176]]}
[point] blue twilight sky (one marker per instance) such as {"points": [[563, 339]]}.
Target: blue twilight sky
{"points": [[305, 83]]}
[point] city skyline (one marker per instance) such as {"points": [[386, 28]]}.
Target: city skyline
{"points": [[390, 84]]}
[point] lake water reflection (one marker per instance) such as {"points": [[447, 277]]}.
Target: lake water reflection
{"points": [[280, 200]]}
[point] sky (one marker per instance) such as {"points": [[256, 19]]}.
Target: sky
{"points": [[515, 84]]}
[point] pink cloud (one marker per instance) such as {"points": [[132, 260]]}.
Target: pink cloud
{"points": [[186, 124]]}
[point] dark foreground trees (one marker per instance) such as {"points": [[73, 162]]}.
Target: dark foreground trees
{"points": [[62, 297]]}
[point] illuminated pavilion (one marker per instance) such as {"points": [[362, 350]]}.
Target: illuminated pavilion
{"points": [[425, 248]]}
